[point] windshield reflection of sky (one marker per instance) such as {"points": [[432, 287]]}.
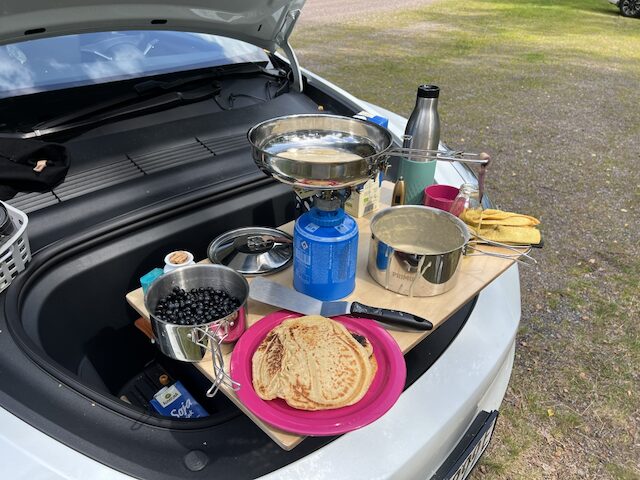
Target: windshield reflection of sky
{"points": [[128, 62], [75, 60], [13, 74]]}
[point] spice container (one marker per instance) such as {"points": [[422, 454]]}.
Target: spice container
{"points": [[177, 259]]}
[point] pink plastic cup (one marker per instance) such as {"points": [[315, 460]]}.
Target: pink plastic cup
{"points": [[440, 196]]}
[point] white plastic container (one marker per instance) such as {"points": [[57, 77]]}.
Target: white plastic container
{"points": [[14, 252]]}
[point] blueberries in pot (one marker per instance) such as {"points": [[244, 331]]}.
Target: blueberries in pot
{"points": [[199, 305]]}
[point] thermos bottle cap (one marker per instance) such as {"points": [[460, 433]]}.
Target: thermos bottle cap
{"points": [[428, 91]]}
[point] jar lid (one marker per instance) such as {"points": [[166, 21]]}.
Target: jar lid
{"points": [[252, 250]]}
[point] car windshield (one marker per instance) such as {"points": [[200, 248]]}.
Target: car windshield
{"points": [[75, 60]]}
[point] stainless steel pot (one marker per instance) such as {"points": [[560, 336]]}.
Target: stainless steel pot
{"points": [[416, 250], [370, 145], [190, 343]]}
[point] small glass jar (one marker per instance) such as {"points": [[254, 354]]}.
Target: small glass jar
{"points": [[468, 199]]}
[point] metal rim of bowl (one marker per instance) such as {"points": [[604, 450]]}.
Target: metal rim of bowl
{"points": [[380, 128]]}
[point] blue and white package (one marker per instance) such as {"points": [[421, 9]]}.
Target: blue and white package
{"points": [[370, 117], [176, 401]]}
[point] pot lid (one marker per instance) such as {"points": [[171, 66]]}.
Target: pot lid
{"points": [[253, 250]]}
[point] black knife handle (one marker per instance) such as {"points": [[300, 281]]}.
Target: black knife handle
{"points": [[392, 317]]}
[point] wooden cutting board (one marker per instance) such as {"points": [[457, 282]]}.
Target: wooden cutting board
{"points": [[476, 272]]}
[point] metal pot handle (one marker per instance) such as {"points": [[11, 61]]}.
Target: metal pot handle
{"points": [[440, 155], [222, 377], [214, 345], [483, 159], [523, 258]]}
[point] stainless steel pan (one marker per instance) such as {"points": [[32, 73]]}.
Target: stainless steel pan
{"points": [[274, 137], [416, 250], [371, 144]]}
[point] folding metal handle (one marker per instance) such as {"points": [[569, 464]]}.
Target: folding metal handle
{"points": [[221, 377], [447, 156], [522, 257], [211, 340]]}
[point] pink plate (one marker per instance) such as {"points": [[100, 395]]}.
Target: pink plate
{"points": [[385, 389]]}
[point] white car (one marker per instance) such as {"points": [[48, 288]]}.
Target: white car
{"points": [[628, 8], [153, 101]]}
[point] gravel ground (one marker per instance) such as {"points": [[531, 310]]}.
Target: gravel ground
{"points": [[550, 88], [321, 12]]}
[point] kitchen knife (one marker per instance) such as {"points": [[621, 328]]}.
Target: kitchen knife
{"points": [[272, 293]]}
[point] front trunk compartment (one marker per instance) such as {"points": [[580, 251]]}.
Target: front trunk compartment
{"points": [[72, 347], [68, 347]]}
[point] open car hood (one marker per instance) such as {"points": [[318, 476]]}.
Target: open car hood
{"points": [[265, 23]]}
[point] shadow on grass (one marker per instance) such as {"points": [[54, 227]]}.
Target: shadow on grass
{"points": [[612, 11], [569, 6]]}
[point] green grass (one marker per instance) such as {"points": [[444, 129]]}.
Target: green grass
{"points": [[550, 88], [496, 34], [621, 473]]}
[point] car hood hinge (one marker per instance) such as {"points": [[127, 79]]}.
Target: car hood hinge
{"points": [[282, 39]]}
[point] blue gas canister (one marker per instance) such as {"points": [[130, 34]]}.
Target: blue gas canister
{"points": [[325, 246]]}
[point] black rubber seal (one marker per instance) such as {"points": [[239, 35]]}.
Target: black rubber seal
{"points": [[428, 91]]}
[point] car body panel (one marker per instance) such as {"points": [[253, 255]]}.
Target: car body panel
{"points": [[27, 453], [254, 21]]}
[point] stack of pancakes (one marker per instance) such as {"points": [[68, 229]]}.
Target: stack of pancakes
{"points": [[313, 363]]}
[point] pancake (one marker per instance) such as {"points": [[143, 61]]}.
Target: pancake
{"points": [[319, 155], [313, 363]]}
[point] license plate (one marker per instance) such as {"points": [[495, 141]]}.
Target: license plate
{"points": [[462, 464]]}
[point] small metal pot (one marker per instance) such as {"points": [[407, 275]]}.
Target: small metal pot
{"points": [[189, 343], [416, 250]]}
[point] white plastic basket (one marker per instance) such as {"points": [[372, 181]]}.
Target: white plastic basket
{"points": [[15, 252]]}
